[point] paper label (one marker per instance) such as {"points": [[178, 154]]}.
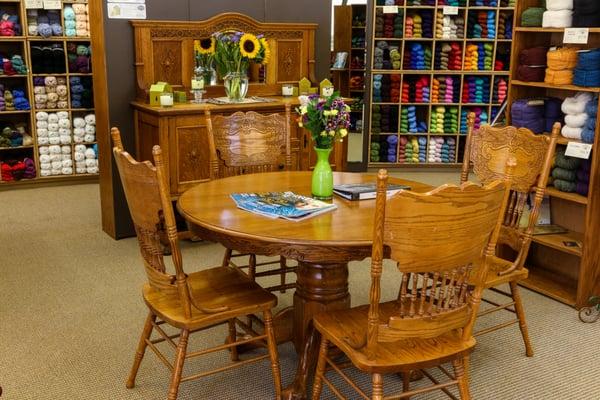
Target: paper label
{"points": [[450, 10], [576, 35], [52, 4], [390, 9], [536, 103], [34, 3], [197, 84], [578, 150], [126, 10]]}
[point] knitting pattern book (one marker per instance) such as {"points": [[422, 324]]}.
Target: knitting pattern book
{"points": [[286, 205]]}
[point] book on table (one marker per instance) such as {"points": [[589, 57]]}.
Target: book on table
{"points": [[364, 191], [287, 205]]}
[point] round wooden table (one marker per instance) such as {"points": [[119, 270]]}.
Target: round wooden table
{"points": [[322, 245]]}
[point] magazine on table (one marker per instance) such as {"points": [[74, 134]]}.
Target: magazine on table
{"points": [[364, 191], [287, 205]]}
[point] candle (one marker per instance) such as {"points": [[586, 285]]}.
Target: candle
{"points": [[166, 100], [287, 90], [197, 84]]}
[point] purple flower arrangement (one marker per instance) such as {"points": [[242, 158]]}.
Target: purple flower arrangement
{"points": [[327, 119]]}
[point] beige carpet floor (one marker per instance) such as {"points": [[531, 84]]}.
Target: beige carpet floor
{"points": [[71, 314]]}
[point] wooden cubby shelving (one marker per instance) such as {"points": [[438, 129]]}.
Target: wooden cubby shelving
{"points": [[350, 28], [10, 45], [494, 45], [568, 274]]}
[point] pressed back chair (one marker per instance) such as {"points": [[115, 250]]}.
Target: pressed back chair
{"points": [[246, 143], [439, 240], [187, 302], [486, 151]]}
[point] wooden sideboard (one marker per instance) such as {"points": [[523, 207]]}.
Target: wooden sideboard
{"points": [[181, 133], [164, 52]]}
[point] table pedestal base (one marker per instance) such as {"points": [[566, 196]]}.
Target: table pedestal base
{"points": [[320, 287]]}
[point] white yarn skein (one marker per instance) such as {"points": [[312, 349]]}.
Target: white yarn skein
{"points": [[557, 5], [576, 120], [557, 19], [571, 133]]}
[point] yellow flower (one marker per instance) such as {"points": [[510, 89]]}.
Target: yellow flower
{"points": [[267, 49], [343, 132], [249, 46], [323, 133], [347, 108], [334, 112], [205, 46], [327, 113], [303, 110], [332, 133]]}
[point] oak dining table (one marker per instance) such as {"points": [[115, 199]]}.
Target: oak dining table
{"points": [[322, 245]]}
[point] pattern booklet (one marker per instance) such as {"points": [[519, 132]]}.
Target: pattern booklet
{"points": [[287, 205]]}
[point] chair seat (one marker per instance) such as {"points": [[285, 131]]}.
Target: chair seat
{"points": [[349, 326], [212, 289]]}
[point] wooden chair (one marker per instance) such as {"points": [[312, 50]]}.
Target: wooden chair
{"points": [[189, 303], [438, 240], [486, 150], [246, 143]]}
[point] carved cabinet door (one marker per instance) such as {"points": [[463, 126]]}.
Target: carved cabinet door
{"points": [[190, 152]]}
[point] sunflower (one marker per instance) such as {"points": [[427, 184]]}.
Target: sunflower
{"points": [[267, 51], [205, 46], [249, 46]]}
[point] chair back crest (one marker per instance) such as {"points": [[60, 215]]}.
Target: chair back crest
{"points": [[250, 142]]}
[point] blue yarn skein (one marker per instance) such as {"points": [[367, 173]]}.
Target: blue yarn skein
{"points": [[44, 30]]}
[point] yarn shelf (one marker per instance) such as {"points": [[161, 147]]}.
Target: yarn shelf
{"points": [[567, 273], [429, 80], [65, 33]]}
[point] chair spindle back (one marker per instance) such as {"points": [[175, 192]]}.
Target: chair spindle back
{"points": [[487, 150], [152, 213]]}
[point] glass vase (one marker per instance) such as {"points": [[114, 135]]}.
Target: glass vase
{"points": [[208, 75], [322, 176], [236, 86]]}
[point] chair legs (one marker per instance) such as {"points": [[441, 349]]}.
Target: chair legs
{"points": [[178, 367], [232, 338], [272, 344], [141, 349], [406, 382], [463, 383], [377, 386], [227, 257], [318, 382], [283, 266], [516, 295]]}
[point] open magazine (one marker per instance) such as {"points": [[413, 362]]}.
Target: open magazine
{"points": [[287, 205]]}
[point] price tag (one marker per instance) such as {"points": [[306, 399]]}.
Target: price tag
{"points": [[576, 35], [578, 150], [52, 4], [390, 9], [34, 3], [450, 10], [536, 102]]}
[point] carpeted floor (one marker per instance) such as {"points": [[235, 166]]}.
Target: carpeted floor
{"points": [[71, 314]]}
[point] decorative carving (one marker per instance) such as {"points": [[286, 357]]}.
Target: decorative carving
{"points": [[289, 53], [206, 32], [167, 61], [491, 148]]}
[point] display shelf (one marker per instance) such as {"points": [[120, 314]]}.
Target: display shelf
{"points": [[551, 284], [557, 241], [568, 274], [350, 81], [23, 46], [420, 56], [574, 197], [544, 85]]}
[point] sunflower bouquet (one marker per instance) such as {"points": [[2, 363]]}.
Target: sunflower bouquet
{"points": [[204, 54], [234, 51]]}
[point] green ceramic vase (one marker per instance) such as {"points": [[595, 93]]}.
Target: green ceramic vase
{"points": [[322, 176]]}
